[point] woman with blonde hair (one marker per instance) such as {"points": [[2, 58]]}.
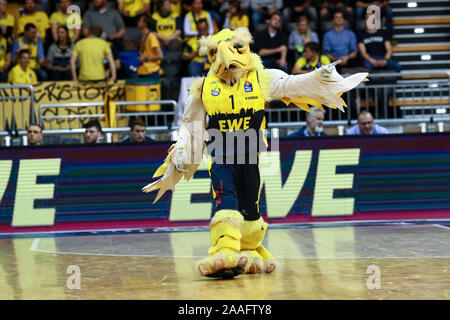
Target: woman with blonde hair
{"points": [[300, 36]]}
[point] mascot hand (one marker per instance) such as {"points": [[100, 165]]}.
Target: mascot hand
{"points": [[326, 71], [181, 158]]}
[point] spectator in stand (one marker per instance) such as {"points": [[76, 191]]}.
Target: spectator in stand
{"points": [[271, 44], [5, 58], [34, 134], [168, 27], [21, 73], [235, 17], [386, 13], [294, 9], [301, 36], [7, 21], [340, 43], [176, 7], [366, 126], [314, 125], [37, 18], [93, 133], [329, 7], [150, 53], [376, 49], [33, 43], [197, 65], [137, 133], [192, 17], [131, 10], [216, 10], [59, 18], [311, 59], [59, 55], [264, 9], [91, 51], [109, 20]]}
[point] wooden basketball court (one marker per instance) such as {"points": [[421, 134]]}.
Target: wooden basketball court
{"points": [[390, 260]]}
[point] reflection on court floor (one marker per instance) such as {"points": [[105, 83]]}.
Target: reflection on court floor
{"points": [[401, 260]]}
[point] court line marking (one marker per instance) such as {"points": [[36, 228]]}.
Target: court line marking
{"points": [[180, 229], [200, 257], [441, 226], [35, 244]]}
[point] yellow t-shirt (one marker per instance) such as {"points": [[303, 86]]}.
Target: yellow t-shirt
{"points": [[176, 8], [60, 19], [302, 63], [236, 22], [192, 46], [150, 43], [18, 76], [33, 48], [91, 52], [38, 18], [133, 6], [203, 15], [7, 21], [3, 51], [165, 27]]}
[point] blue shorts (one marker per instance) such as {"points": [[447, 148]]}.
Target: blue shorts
{"points": [[236, 187]]}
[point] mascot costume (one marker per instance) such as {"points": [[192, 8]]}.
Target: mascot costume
{"points": [[231, 98]]}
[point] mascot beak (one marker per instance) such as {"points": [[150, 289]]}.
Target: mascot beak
{"points": [[231, 55]]}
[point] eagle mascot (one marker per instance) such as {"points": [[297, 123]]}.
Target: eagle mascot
{"points": [[231, 100]]}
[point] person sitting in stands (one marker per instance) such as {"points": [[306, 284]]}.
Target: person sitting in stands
{"points": [[21, 73], [137, 133], [60, 18], [150, 53], [192, 17], [37, 18], [314, 125], [366, 126], [59, 55], [197, 65], [5, 58], [235, 17], [311, 59], [34, 134], [93, 133], [34, 45], [376, 49]]}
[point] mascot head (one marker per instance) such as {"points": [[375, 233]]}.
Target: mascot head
{"points": [[229, 54]]}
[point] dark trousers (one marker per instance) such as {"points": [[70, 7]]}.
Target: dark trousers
{"points": [[236, 187]]}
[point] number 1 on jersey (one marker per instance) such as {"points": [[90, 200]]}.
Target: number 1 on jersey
{"points": [[232, 101]]}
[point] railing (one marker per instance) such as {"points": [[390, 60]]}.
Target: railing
{"points": [[24, 103], [153, 119], [424, 101]]}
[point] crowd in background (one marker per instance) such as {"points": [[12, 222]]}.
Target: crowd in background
{"points": [[43, 40]]}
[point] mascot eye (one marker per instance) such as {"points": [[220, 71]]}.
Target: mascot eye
{"points": [[212, 52], [238, 45]]}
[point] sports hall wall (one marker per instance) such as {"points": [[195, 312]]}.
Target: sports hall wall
{"points": [[82, 187]]}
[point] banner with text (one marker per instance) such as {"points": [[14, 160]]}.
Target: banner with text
{"points": [[60, 92]]}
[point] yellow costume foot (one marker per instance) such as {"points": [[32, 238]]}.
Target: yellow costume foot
{"points": [[260, 259], [269, 262], [255, 262], [225, 264], [225, 260]]}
